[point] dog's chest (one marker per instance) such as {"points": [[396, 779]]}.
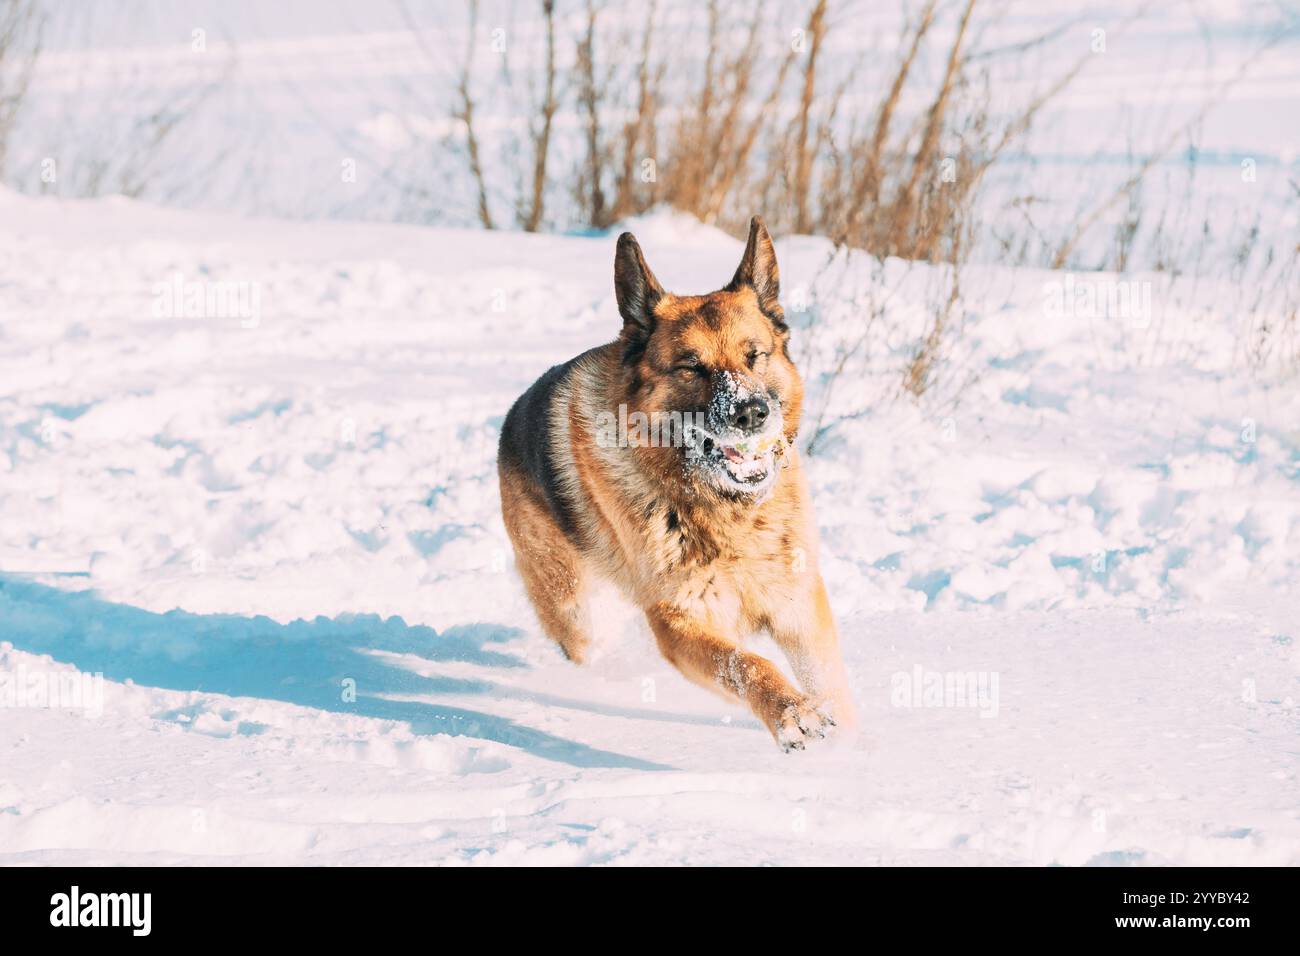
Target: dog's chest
{"points": [[706, 562]]}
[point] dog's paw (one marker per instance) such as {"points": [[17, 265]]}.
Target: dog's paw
{"points": [[802, 721]]}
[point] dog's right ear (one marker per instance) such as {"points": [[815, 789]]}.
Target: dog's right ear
{"points": [[636, 289]]}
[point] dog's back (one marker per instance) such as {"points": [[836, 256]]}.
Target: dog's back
{"points": [[528, 439]]}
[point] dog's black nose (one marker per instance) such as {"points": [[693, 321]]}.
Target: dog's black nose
{"points": [[749, 415]]}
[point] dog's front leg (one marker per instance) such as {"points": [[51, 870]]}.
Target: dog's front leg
{"points": [[703, 655], [805, 630]]}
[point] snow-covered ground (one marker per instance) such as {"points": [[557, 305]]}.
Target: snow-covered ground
{"points": [[274, 529]]}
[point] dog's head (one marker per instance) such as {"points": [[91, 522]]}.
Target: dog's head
{"points": [[717, 366]]}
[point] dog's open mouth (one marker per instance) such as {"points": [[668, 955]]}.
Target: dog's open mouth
{"points": [[750, 461], [745, 463]]}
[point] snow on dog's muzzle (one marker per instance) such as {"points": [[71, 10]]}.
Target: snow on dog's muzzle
{"points": [[735, 462], [732, 457]]}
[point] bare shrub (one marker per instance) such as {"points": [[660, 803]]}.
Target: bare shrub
{"points": [[588, 184], [750, 125], [108, 132], [464, 114], [713, 150], [530, 215], [20, 45], [618, 176], [635, 193]]}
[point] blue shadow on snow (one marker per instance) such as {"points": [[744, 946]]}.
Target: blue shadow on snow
{"points": [[303, 662]]}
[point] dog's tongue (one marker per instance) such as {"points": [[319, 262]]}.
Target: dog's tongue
{"points": [[732, 455]]}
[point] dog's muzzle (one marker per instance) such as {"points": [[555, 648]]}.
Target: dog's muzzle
{"points": [[742, 440]]}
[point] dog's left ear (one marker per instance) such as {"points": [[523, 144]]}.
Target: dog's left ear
{"points": [[758, 270], [635, 288]]}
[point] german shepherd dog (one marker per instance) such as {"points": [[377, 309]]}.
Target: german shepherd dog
{"points": [[708, 529]]}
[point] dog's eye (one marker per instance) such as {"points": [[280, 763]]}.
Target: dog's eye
{"points": [[756, 357], [692, 371]]}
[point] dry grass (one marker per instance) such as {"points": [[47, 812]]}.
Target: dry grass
{"points": [[464, 114], [20, 44], [883, 181], [620, 115]]}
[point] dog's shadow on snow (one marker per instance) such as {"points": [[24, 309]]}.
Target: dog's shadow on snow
{"points": [[308, 663]]}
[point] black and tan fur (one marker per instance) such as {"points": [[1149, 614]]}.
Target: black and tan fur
{"points": [[708, 560]]}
